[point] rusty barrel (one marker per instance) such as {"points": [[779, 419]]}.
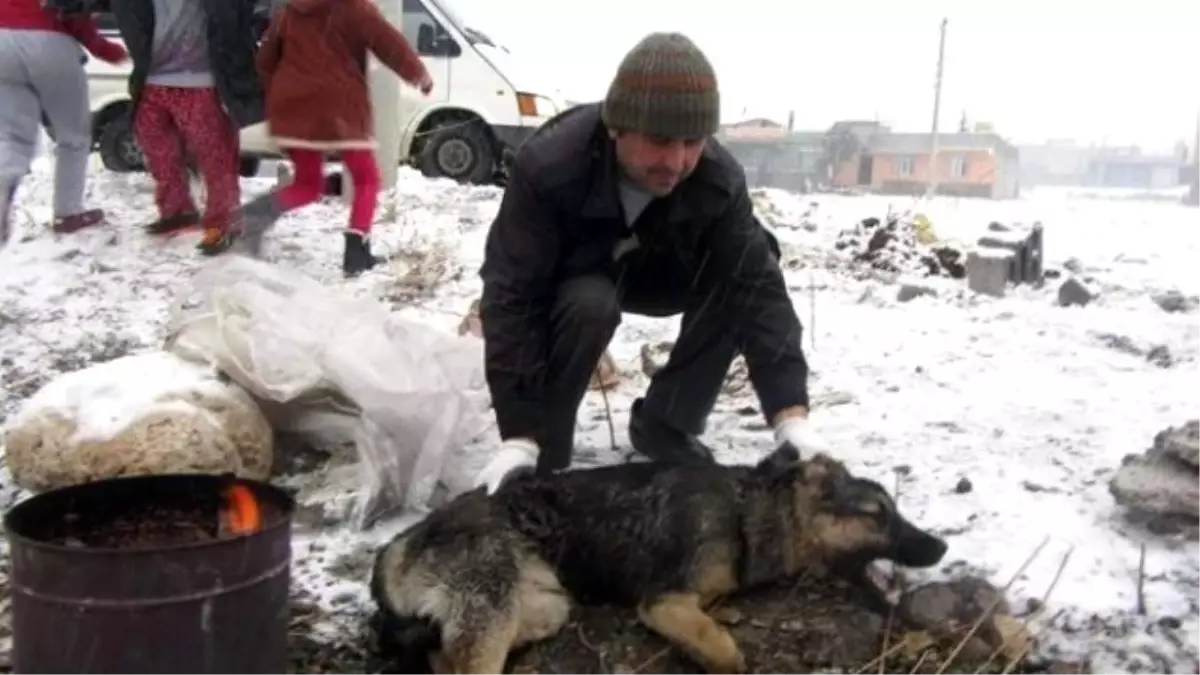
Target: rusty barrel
{"points": [[217, 606]]}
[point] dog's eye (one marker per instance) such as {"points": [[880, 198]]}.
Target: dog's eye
{"points": [[873, 509]]}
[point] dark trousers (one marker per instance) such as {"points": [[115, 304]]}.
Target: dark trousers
{"points": [[586, 313]]}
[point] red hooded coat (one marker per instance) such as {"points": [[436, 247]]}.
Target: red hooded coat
{"points": [[313, 67]]}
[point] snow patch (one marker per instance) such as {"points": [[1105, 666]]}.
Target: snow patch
{"points": [[104, 399]]}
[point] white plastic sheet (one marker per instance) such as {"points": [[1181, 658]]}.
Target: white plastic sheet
{"points": [[339, 369]]}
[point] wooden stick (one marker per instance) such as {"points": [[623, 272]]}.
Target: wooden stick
{"points": [[1032, 615], [1141, 582], [612, 430]]}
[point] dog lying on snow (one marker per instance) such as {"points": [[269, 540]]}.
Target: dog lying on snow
{"points": [[484, 575]]}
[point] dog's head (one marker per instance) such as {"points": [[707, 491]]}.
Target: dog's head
{"points": [[849, 522]]}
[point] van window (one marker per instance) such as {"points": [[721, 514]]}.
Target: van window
{"points": [[416, 17]]}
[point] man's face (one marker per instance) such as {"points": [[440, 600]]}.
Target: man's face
{"points": [[654, 163]]}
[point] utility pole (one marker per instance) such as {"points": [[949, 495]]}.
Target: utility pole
{"points": [[1194, 193], [937, 108]]}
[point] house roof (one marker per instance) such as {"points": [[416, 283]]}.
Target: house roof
{"points": [[755, 122], [921, 143], [806, 138]]}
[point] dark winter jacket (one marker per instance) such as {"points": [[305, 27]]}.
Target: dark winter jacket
{"points": [[561, 217], [232, 44], [313, 65]]}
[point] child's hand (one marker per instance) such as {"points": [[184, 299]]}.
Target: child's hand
{"points": [[425, 85], [109, 51]]}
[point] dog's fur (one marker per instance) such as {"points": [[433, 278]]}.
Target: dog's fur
{"points": [[484, 575]]}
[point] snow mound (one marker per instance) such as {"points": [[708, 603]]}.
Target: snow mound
{"points": [[135, 415]]}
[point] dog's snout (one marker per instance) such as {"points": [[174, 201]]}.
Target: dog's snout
{"points": [[917, 548]]}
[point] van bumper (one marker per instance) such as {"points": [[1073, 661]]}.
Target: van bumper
{"points": [[511, 137]]}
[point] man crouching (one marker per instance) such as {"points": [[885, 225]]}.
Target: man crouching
{"points": [[630, 206], [485, 575]]}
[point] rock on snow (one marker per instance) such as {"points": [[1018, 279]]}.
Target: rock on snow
{"points": [[135, 415]]}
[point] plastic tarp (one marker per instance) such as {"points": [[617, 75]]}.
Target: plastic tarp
{"points": [[338, 369]]}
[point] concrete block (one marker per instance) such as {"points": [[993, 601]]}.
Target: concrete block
{"points": [[988, 270]]}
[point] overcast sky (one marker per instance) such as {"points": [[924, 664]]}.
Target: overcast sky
{"points": [[1034, 68]]}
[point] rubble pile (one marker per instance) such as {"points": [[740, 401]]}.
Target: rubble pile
{"points": [[773, 217], [894, 247]]}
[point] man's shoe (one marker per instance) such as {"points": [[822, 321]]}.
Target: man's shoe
{"points": [[173, 225], [78, 221], [663, 443], [216, 241]]}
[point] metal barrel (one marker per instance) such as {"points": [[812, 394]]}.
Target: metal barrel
{"points": [[219, 606]]}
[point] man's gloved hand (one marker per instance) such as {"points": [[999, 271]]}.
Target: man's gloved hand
{"points": [[516, 455], [800, 433]]}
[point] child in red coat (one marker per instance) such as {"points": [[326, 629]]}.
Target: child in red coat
{"points": [[313, 65]]}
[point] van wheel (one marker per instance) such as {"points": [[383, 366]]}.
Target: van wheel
{"points": [[248, 167], [462, 150], [119, 149]]}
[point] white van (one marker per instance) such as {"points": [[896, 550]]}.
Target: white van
{"points": [[484, 104]]}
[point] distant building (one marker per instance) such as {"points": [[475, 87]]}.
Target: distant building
{"points": [[867, 155], [1068, 164], [1129, 168], [757, 128], [793, 162], [968, 165]]}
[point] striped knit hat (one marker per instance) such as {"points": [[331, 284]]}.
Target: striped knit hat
{"points": [[665, 86]]}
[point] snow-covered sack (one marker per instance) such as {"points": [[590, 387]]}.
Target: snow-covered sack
{"points": [[141, 414], [340, 370]]}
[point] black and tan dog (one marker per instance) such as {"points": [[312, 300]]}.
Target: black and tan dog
{"points": [[484, 575]]}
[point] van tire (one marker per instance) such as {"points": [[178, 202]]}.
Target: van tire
{"points": [[248, 167], [460, 150], [118, 147]]}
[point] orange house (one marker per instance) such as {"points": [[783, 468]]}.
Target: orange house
{"points": [[968, 165]]}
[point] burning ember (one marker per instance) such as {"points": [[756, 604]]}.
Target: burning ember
{"points": [[240, 514], [231, 510]]}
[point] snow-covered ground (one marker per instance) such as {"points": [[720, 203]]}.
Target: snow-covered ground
{"points": [[1023, 398]]}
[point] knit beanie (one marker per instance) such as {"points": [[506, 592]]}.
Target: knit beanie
{"points": [[665, 86]]}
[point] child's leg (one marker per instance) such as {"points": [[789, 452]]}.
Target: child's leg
{"points": [[161, 142], [364, 172], [212, 139], [309, 182]]}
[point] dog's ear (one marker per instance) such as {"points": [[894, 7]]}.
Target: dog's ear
{"points": [[780, 462], [824, 474]]}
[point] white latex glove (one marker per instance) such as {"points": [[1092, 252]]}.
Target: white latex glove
{"points": [[800, 433], [515, 455]]}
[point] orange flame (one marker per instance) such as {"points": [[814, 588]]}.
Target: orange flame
{"points": [[241, 515]]}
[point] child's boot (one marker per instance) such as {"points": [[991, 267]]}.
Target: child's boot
{"points": [[357, 257]]}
